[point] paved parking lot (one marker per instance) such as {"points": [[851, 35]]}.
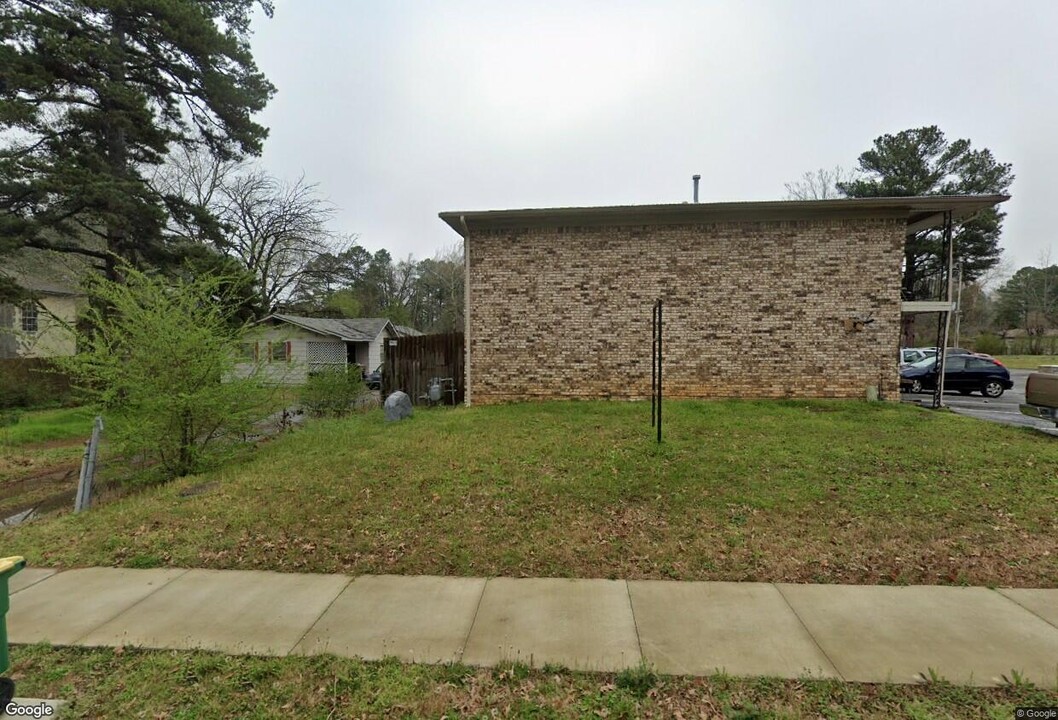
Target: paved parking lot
{"points": [[1003, 409]]}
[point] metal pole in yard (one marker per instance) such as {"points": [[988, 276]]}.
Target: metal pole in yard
{"points": [[958, 307], [88, 468], [660, 356], [653, 363], [78, 503]]}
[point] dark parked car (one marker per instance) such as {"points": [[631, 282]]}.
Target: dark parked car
{"points": [[963, 373], [373, 380]]}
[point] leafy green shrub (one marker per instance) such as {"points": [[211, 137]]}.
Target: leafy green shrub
{"points": [[333, 393], [989, 343], [157, 358]]}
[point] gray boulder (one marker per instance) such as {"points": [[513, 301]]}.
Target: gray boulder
{"points": [[398, 406]]}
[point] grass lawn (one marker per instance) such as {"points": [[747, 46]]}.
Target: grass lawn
{"points": [[797, 491], [123, 683], [1027, 362], [41, 426]]}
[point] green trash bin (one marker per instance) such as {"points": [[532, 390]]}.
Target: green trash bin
{"points": [[8, 567]]}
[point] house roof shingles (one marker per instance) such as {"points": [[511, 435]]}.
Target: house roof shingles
{"points": [[347, 329], [46, 272]]}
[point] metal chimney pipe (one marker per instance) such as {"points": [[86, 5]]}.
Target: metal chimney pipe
{"points": [[696, 178]]}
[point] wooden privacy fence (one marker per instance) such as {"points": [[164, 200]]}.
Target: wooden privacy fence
{"points": [[412, 362]]}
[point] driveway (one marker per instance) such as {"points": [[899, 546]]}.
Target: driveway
{"points": [[1003, 409]]}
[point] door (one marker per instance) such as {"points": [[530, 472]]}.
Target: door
{"points": [[978, 371], [955, 375]]}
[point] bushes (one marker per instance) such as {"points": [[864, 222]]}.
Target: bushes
{"points": [[159, 362], [989, 343], [1046, 345], [334, 393], [32, 382]]}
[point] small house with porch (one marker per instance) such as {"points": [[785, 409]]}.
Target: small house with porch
{"points": [[289, 347]]}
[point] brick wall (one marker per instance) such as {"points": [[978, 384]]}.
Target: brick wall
{"points": [[752, 309]]}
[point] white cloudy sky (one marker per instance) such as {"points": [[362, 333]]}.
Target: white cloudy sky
{"points": [[400, 110]]}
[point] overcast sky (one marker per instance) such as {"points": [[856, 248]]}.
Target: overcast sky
{"points": [[400, 110]]}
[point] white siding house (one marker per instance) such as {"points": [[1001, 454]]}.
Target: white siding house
{"points": [[41, 326], [289, 347]]}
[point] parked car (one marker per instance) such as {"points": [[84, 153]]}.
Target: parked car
{"points": [[373, 379], [911, 355], [1041, 396], [962, 373], [932, 351]]}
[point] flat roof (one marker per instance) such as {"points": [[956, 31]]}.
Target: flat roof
{"points": [[921, 212]]}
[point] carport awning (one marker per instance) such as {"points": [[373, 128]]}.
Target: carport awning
{"points": [[929, 213]]}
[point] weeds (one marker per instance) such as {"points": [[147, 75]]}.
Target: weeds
{"points": [[638, 680]]}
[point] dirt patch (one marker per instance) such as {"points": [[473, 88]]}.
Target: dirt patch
{"points": [[52, 444], [58, 474]]}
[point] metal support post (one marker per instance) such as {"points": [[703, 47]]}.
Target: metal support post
{"points": [[944, 321], [88, 468]]}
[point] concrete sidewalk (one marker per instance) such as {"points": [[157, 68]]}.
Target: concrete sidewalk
{"points": [[859, 633]]}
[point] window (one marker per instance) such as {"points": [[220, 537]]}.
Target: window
{"points": [[248, 352], [29, 316], [279, 351], [980, 364], [954, 364]]}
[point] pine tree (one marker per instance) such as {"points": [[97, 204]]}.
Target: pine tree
{"points": [[922, 161], [94, 93]]}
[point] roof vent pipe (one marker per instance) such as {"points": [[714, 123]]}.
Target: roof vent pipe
{"points": [[696, 178]]}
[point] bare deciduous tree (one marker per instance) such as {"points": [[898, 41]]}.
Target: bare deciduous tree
{"points": [[274, 228], [437, 303], [189, 185], [821, 184], [996, 275]]}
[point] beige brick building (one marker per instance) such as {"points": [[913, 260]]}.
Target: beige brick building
{"points": [[759, 298]]}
